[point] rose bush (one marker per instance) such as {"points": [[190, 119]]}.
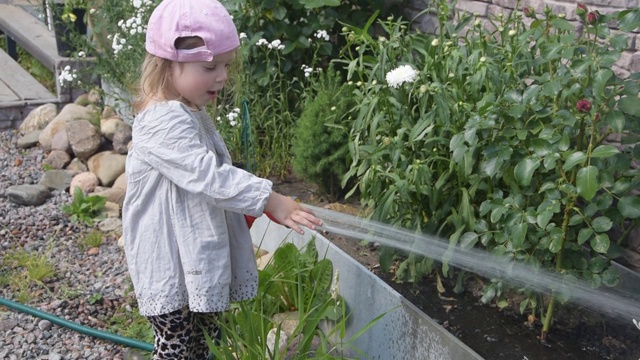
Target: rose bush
{"points": [[499, 140]]}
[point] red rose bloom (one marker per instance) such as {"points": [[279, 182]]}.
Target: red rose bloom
{"points": [[592, 18], [583, 106]]}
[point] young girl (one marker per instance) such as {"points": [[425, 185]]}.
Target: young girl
{"points": [[188, 245]]}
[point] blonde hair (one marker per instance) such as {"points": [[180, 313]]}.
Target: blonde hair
{"points": [[156, 82]]}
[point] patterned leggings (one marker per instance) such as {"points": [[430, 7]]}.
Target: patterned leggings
{"points": [[179, 334]]}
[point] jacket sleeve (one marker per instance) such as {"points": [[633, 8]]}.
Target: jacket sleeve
{"points": [[169, 141]]}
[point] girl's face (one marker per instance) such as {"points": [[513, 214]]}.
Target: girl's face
{"points": [[199, 82]]}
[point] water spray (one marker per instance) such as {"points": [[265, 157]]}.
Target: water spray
{"points": [[609, 301]]}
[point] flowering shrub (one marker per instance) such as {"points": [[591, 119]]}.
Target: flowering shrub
{"points": [[499, 140]]}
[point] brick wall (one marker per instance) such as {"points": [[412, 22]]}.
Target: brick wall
{"points": [[629, 62]]}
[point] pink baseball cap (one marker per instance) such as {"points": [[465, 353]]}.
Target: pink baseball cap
{"points": [[207, 19]]}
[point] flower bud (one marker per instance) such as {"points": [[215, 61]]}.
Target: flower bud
{"points": [[386, 141], [529, 12], [423, 89], [583, 106], [596, 118], [512, 32], [581, 9], [592, 18], [435, 42]]}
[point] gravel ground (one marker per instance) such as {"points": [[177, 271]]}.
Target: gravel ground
{"points": [[80, 275]]}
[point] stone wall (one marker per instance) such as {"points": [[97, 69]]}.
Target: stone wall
{"points": [[629, 62]]}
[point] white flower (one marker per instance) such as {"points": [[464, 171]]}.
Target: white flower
{"points": [[275, 44], [322, 34], [374, 82], [400, 75], [67, 75], [262, 42], [242, 35], [435, 42], [92, 11], [333, 108], [483, 59], [233, 122], [82, 54], [137, 3]]}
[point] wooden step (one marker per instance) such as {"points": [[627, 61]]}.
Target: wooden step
{"points": [[18, 88], [31, 34]]}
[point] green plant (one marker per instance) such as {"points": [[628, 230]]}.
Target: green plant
{"points": [[131, 324], [294, 280], [84, 208], [92, 240], [497, 139], [37, 267], [320, 146], [95, 299], [284, 45]]}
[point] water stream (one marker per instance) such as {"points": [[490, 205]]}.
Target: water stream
{"points": [[611, 301]]}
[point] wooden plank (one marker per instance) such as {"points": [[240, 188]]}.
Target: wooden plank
{"points": [[30, 33], [20, 82], [6, 95]]}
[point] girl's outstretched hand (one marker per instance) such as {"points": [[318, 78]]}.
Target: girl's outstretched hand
{"points": [[289, 213]]}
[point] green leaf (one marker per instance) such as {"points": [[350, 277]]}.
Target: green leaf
{"points": [[584, 234], [598, 264], [586, 182], [616, 120], [629, 207], [541, 146], [544, 217], [562, 24], [601, 224], [629, 19], [611, 277], [600, 81], [468, 240], [574, 159], [604, 151], [600, 243], [525, 169], [630, 105], [312, 4]]}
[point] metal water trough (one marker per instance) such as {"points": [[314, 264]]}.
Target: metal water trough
{"points": [[405, 332]]}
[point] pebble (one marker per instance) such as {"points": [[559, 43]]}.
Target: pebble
{"points": [[46, 230]]}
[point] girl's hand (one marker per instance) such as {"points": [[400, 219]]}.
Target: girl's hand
{"points": [[289, 213]]}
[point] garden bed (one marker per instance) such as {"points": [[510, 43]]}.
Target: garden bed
{"points": [[490, 332]]}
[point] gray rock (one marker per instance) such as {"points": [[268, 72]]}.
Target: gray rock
{"points": [[55, 356], [38, 118], [110, 224], [76, 165], [107, 165], [56, 180], [45, 325], [57, 159], [70, 112], [6, 325], [29, 140], [30, 195], [121, 139], [83, 137], [60, 141]]}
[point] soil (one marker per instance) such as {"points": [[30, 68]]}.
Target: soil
{"points": [[493, 333]]}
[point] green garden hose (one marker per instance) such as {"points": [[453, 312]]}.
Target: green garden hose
{"points": [[132, 343]]}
